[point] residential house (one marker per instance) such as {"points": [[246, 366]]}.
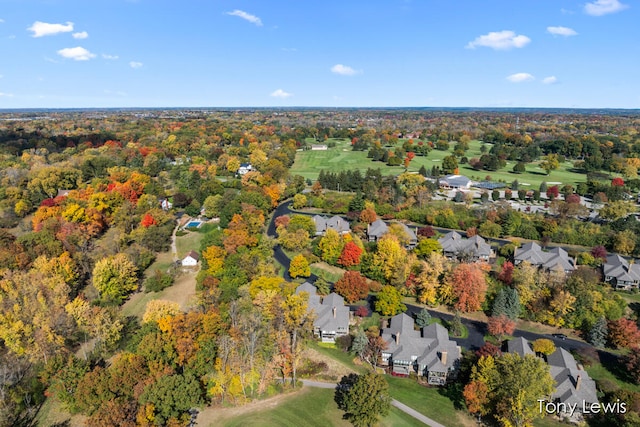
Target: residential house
{"points": [[429, 353], [620, 273], [472, 249], [572, 383], [455, 182], [165, 204], [63, 193], [336, 223], [332, 316], [191, 259], [244, 168], [555, 259], [379, 228]]}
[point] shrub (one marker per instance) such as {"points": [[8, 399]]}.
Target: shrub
{"points": [[158, 281]]}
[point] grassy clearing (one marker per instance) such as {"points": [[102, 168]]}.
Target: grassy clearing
{"points": [[310, 407], [188, 242], [600, 372], [51, 413], [326, 271], [341, 158]]}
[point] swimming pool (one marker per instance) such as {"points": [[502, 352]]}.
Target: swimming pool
{"points": [[194, 224]]}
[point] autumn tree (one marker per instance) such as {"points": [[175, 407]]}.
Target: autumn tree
{"points": [[352, 286], [544, 346], [389, 301], [159, 309], [330, 246], [632, 362], [350, 255], [623, 333], [299, 267], [500, 326], [469, 287], [172, 396], [549, 163], [476, 397], [364, 398], [115, 277]]}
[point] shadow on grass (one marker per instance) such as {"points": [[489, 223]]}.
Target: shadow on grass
{"points": [[635, 306], [612, 363], [453, 392]]}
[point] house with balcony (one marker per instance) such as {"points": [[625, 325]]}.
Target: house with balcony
{"points": [[331, 315], [621, 273], [456, 247], [554, 259]]}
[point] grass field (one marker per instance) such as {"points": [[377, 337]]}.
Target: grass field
{"points": [[327, 272], [310, 407], [341, 158], [188, 242]]}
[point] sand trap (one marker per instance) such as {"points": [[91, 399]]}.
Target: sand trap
{"points": [[554, 182]]}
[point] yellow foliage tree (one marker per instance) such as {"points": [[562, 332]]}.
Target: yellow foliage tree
{"points": [[159, 309]]}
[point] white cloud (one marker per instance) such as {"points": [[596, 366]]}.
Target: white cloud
{"points": [[279, 93], [8, 95], [289, 49], [110, 57], [550, 80], [246, 16], [520, 77], [76, 53], [135, 64], [562, 31], [1, 21], [604, 7], [41, 29], [344, 70], [500, 40], [81, 35]]}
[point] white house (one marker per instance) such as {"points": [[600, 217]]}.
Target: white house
{"points": [[244, 168], [456, 181], [191, 260]]}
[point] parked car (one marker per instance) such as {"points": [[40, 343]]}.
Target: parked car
{"points": [[559, 336]]}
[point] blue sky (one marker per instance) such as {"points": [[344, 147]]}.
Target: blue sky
{"points": [[374, 53]]}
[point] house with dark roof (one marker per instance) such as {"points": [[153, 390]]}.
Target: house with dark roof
{"points": [[620, 273], [555, 259], [572, 383], [475, 248], [191, 259], [336, 223], [244, 168], [429, 352], [379, 228], [332, 316]]}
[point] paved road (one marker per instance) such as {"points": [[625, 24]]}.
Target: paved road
{"points": [[401, 406]]}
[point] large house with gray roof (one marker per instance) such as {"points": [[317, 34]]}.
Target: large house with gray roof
{"points": [[429, 352], [620, 273], [572, 383], [556, 259], [455, 181], [455, 246], [336, 223], [332, 316], [379, 228]]}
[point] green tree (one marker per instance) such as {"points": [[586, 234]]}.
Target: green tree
{"points": [[449, 164], [330, 246], [299, 201], [115, 277], [519, 167], [363, 398], [506, 302], [212, 205], [172, 396], [359, 343], [427, 246], [389, 301], [423, 318]]}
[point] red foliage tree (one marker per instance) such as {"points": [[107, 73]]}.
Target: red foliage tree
{"points": [[599, 252], [352, 286], [573, 198], [553, 192], [632, 363], [506, 274], [623, 333], [500, 325], [350, 255], [427, 231], [469, 286], [488, 349], [148, 221], [362, 311], [282, 220], [617, 182]]}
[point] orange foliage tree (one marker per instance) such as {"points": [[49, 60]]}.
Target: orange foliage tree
{"points": [[352, 286], [469, 287], [350, 255]]}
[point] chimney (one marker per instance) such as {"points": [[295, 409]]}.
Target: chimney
{"points": [[334, 312], [398, 338], [443, 358], [578, 382]]}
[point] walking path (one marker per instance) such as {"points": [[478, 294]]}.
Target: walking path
{"points": [[401, 406]]}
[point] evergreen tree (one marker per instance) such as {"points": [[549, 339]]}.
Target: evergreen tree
{"points": [[543, 187], [455, 327], [507, 302], [422, 171], [514, 185], [357, 203], [359, 343], [598, 333], [423, 318]]}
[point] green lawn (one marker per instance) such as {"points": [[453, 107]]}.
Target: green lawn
{"points": [[188, 242], [310, 407], [341, 158], [327, 272], [599, 372]]}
